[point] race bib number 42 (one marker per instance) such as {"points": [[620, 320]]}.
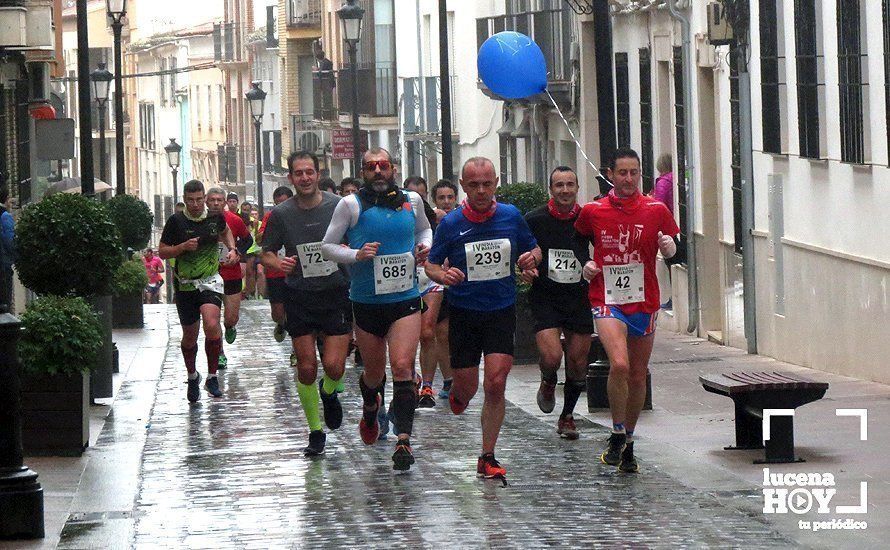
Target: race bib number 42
{"points": [[624, 284], [312, 263], [563, 266], [488, 260], [393, 273]]}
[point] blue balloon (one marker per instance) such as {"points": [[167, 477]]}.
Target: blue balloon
{"points": [[512, 65]]}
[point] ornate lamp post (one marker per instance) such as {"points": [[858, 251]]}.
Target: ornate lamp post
{"points": [[173, 150], [255, 98], [351, 16], [116, 10], [101, 79]]}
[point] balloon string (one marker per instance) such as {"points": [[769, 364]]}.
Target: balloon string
{"points": [[599, 175]]}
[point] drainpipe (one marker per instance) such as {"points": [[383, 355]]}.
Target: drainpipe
{"points": [[746, 147], [691, 263]]}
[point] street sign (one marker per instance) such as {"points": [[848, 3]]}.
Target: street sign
{"points": [[341, 143]]}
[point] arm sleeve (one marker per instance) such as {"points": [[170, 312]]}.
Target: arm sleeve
{"points": [[583, 225], [171, 236], [423, 232], [439, 250], [345, 216], [524, 237], [669, 225]]}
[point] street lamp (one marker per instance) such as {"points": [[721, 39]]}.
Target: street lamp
{"points": [[255, 98], [101, 79], [173, 150], [116, 10], [351, 17]]}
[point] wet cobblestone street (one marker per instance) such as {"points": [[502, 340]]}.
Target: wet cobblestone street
{"points": [[230, 473]]}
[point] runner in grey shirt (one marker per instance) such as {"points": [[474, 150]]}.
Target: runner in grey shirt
{"points": [[317, 297]]}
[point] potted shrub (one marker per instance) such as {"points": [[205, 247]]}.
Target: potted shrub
{"points": [[68, 246], [60, 344], [133, 220], [526, 197], [127, 287]]}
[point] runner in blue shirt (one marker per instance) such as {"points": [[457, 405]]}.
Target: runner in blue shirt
{"points": [[482, 241]]}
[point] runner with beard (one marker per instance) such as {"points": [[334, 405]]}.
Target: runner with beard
{"points": [[387, 234], [558, 297]]}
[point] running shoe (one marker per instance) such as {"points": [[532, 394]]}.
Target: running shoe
{"points": [[488, 467], [333, 411], [446, 389], [231, 334], [370, 430], [546, 396], [628, 462], [279, 333], [383, 422], [456, 406], [612, 454], [403, 458], [317, 440], [566, 427], [194, 389], [223, 361], [427, 398], [212, 386]]}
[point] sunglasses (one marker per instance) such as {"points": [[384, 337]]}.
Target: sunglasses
{"points": [[373, 165]]}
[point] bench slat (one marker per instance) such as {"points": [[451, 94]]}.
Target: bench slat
{"points": [[750, 381]]}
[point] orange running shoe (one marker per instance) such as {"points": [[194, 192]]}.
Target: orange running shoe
{"points": [[566, 427], [488, 467], [427, 399], [456, 406]]}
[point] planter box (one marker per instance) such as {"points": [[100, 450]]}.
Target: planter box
{"points": [[55, 414], [598, 378], [525, 350], [127, 311]]}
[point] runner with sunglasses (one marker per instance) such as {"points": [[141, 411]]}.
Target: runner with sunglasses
{"points": [[387, 234]]}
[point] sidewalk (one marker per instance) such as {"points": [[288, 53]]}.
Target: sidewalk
{"points": [[685, 434]]}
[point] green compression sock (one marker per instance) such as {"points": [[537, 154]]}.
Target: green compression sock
{"points": [[329, 385], [309, 399]]}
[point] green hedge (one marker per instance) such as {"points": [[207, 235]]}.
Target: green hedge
{"points": [[133, 220], [524, 196], [130, 278], [62, 335]]}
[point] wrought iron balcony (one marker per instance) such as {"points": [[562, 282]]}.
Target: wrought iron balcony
{"points": [[423, 111], [303, 13], [551, 29], [377, 94]]}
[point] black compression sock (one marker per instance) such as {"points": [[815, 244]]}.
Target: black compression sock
{"points": [[404, 401], [572, 390]]}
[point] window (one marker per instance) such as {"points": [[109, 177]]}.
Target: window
{"points": [[173, 67], [646, 146], [147, 126], [680, 126], [736, 153], [772, 73], [887, 67], [162, 81], [810, 75], [852, 61], [622, 99]]}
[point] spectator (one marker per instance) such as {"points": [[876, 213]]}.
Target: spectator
{"points": [[349, 186], [664, 183], [180, 206], [7, 250], [327, 184], [154, 269]]}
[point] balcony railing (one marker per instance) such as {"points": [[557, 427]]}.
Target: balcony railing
{"points": [[550, 29], [303, 13], [428, 103], [377, 94]]}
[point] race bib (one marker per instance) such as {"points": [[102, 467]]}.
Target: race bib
{"points": [[312, 263], [624, 284], [563, 266], [488, 260], [422, 280], [282, 254], [222, 251], [213, 283], [393, 273]]}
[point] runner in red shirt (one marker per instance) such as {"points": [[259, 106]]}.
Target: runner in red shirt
{"points": [[627, 230], [231, 274], [275, 279], [154, 268]]}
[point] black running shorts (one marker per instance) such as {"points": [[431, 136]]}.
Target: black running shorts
{"points": [[473, 334], [232, 287], [378, 318], [325, 312], [277, 289], [189, 302], [563, 312]]}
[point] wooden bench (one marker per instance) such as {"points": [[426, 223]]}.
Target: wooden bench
{"points": [[754, 391]]}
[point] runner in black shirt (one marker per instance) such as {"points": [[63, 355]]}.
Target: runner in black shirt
{"points": [[558, 297]]}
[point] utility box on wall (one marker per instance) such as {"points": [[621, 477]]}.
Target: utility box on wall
{"points": [[719, 30]]}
